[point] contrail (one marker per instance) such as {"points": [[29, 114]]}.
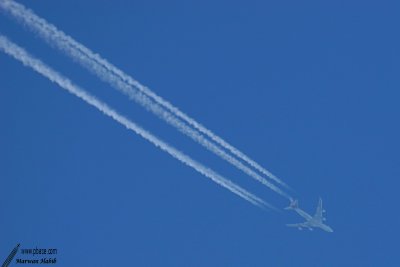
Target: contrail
{"points": [[123, 82], [26, 59]]}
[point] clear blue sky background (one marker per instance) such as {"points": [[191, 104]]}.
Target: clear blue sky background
{"points": [[308, 89]]}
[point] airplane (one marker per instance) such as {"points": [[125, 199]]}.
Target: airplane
{"points": [[311, 222]]}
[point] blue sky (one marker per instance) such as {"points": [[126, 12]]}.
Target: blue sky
{"points": [[309, 90]]}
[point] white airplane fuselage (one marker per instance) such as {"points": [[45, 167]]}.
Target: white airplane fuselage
{"points": [[311, 220]]}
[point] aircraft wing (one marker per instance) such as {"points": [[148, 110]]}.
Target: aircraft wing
{"points": [[319, 212], [299, 225]]}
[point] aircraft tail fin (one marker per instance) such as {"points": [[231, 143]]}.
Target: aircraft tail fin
{"points": [[294, 204]]}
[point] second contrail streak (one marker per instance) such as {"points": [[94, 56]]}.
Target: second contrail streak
{"points": [[20, 54], [142, 95]]}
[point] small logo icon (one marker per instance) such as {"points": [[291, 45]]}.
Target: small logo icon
{"points": [[10, 257]]}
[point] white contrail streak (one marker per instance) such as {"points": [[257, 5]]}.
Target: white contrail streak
{"points": [[123, 82], [26, 59]]}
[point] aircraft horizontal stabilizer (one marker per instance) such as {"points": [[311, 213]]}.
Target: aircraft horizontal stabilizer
{"points": [[294, 204]]}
